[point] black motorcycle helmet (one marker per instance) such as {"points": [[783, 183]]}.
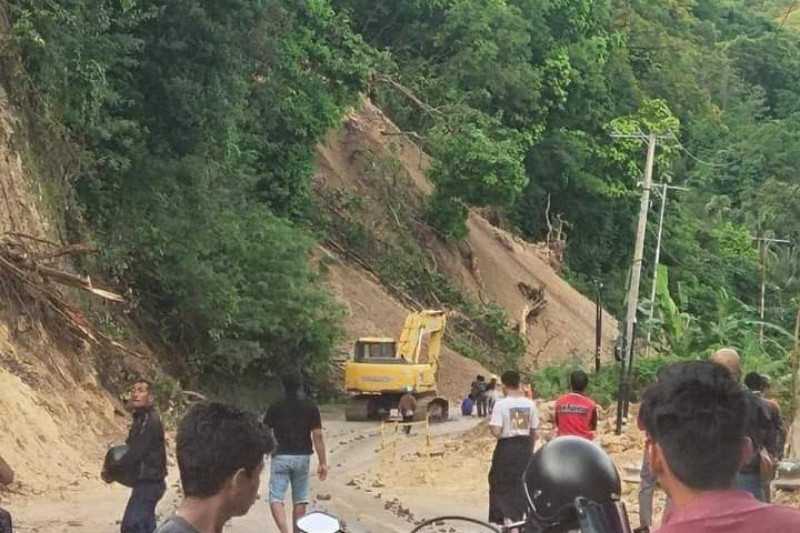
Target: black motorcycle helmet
{"points": [[562, 470], [111, 466]]}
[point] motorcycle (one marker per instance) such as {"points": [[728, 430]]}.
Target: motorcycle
{"points": [[591, 518]]}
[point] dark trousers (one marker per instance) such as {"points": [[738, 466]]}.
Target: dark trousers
{"points": [[406, 419], [5, 521], [506, 492], [483, 403], [140, 514]]}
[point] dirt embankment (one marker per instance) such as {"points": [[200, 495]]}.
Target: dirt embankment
{"points": [[55, 415], [371, 311], [367, 163]]}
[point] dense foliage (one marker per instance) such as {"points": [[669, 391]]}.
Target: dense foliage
{"points": [[197, 121], [717, 80]]}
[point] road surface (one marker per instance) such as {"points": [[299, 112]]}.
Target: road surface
{"points": [[92, 507]]}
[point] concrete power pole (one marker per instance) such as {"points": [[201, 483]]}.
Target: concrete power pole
{"points": [[763, 250], [638, 252], [636, 275], [665, 187]]}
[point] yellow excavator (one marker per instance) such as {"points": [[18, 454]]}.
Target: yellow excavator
{"points": [[382, 369]]}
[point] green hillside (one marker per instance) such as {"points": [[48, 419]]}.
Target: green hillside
{"points": [[194, 124]]}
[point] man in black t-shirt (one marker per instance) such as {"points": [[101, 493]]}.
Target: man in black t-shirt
{"points": [[297, 427]]}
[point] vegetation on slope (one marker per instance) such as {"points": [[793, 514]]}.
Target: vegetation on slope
{"points": [[197, 120]]}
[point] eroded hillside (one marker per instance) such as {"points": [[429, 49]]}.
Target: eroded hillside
{"points": [[371, 181]]}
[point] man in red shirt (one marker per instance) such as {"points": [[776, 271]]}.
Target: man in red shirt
{"points": [[696, 444], [576, 413]]}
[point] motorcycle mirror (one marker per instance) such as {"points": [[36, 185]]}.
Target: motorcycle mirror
{"points": [[318, 522]]}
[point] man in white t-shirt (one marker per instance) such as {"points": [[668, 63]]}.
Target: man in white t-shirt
{"points": [[514, 422]]}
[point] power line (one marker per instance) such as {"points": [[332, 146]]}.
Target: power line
{"points": [[695, 158]]}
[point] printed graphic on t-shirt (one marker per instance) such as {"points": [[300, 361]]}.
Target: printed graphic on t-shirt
{"points": [[520, 418], [572, 409]]}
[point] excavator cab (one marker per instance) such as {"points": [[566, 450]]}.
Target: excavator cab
{"points": [[375, 350]]}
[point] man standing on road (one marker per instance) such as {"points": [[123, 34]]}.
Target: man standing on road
{"points": [[514, 422], [6, 478], [220, 456], [696, 441], [492, 393], [576, 413], [407, 407], [758, 428], [295, 422], [647, 486], [478, 391], [146, 459], [758, 385]]}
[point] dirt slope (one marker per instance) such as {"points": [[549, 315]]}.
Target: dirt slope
{"points": [[54, 414], [367, 162], [371, 311]]}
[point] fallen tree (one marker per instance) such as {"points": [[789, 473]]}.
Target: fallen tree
{"points": [[30, 276]]}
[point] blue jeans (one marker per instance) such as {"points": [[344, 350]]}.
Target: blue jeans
{"points": [[647, 488], [285, 470], [5, 521], [140, 514], [751, 482]]}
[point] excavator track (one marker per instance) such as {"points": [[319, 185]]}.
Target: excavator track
{"points": [[357, 410], [436, 408]]}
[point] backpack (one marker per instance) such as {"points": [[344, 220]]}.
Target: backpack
{"points": [[466, 406]]}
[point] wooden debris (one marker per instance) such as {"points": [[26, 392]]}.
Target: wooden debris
{"points": [[30, 276], [535, 305]]}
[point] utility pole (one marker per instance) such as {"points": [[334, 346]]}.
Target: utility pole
{"points": [[794, 437], [763, 248], [598, 325], [665, 187], [636, 271], [638, 252]]}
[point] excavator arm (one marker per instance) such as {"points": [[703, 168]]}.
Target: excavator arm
{"points": [[413, 336]]}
